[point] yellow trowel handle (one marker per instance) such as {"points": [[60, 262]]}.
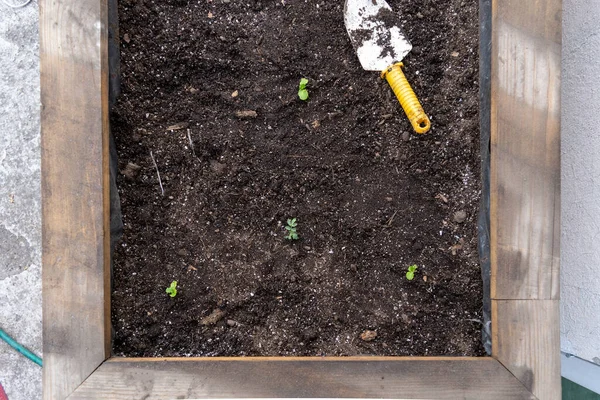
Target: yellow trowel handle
{"points": [[407, 97]]}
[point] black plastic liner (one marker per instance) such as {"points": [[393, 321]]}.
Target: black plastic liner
{"points": [[483, 225], [114, 89]]}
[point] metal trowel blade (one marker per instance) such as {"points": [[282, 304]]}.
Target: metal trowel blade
{"points": [[378, 40]]}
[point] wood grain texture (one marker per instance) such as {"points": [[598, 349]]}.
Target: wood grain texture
{"points": [[525, 149], [482, 378], [526, 340], [73, 129]]}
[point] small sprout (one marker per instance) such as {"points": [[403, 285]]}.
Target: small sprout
{"points": [[291, 228], [410, 274], [302, 92], [172, 289]]}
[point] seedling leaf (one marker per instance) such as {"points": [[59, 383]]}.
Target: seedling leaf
{"points": [[410, 274], [291, 228], [172, 289], [302, 92]]}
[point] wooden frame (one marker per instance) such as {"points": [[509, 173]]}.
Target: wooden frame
{"points": [[525, 231]]}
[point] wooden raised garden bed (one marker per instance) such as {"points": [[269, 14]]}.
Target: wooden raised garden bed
{"points": [[525, 232]]}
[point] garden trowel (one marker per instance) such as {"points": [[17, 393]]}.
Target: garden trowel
{"points": [[380, 45]]}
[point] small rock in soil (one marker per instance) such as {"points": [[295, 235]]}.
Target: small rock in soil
{"points": [[183, 252], [460, 216], [406, 136], [368, 336], [231, 323], [405, 319], [126, 38], [455, 248], [131, 171], [217, 167], [213, 318], [235, 94], [310, 335], [246, 114], [442, 198], [417, 246]]}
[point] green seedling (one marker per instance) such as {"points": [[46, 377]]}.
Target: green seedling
{"points": [[172, 289], [291, 228], [410, 274], [302, 92]]}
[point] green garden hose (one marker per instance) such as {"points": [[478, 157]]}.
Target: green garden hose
{"points": [[20, 348]]}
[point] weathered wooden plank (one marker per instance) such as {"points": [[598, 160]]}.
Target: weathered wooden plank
{"points": [[366, 377], [526, 340], [525, 153], [540, 18], [525, 161], [74, 169], [525, 191]]}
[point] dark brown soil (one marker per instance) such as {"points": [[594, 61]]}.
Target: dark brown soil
{"points": [[371, 197]]}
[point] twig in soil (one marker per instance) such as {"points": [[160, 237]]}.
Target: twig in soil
{"points": [[246, 114], [299, 156], [157, 173], [392, 219], [189, 133]]}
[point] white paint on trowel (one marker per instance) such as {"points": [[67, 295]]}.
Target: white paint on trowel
{"points": [[361, 16]]}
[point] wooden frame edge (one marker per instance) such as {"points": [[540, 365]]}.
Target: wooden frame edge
{"points": [[362, 377], [525, 191], [74, 136], [522, 346], [525, 149], [526, 340]]}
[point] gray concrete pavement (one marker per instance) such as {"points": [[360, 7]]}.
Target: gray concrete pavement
{"points": [[20, 224]]}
